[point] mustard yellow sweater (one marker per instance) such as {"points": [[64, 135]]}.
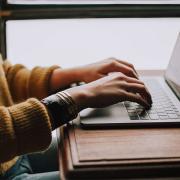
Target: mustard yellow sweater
{"points": [[24, 125]]}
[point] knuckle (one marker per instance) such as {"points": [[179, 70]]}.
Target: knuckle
{"points": [[113, 62], [124, 83], [120, 77], [125, 86], [123, 95], [130, 72]]}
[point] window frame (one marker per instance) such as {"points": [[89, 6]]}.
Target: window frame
{"points": [[90, 10]]}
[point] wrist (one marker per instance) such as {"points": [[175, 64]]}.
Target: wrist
{"points": [[81, 96], [62, 78]]}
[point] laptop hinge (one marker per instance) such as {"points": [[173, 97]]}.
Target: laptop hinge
{"points": [[173, 87]]}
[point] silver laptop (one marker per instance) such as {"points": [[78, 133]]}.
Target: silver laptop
{"points": [[165, 110]]}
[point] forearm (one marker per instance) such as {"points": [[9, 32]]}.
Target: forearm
{"points": [[63, 78]]}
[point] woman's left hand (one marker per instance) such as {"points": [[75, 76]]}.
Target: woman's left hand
{"points": [[100, 69], [61, 78]]}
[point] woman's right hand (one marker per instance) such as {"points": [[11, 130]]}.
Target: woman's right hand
{"points": [[111, 89]]}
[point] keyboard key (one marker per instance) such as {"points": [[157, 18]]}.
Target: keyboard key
{"points": [[151, 111], [153, 116], [157, 104], [160, 108], [132, 113], [154, 108], [177, 111], [170, 112], [173, 116], [162, 114], [134, 117], [164, 117], [160, 111], [168, 109]]}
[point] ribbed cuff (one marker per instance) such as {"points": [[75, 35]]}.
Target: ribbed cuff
{"points": [[32, 126], [8, 144], [40, 78]]}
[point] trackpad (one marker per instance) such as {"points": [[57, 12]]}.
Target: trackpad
{"points": [[112, 115]]}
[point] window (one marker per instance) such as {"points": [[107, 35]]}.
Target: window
{"points": [[158, 13], [145, 42]]}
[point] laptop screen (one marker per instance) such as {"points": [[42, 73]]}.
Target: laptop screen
{"points": [[172, 74]]}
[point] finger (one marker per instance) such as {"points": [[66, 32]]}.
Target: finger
{"points": [[133, 80], [133, 85], [127, 64], [136, 98], [137, 81], [117, 67], [138, 88]]}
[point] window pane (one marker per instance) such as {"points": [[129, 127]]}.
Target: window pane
{"points": [[145, 42]]}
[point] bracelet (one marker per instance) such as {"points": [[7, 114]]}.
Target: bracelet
{"points": [[62, 108], [72, 107]]}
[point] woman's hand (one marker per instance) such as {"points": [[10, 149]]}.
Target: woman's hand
{"points": [[62, 78], [111, 89], [100, 69]]}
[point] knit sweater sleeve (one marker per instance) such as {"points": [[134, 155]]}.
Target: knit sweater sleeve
{"points": [[24, 83], [25, 128]]}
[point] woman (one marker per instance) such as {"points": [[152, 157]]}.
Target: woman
{"points": [[31, 106]]}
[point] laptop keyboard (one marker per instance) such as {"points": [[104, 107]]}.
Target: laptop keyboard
{"points": [[162, 107]]}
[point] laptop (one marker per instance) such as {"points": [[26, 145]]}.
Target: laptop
{"points": [[165, 110]]}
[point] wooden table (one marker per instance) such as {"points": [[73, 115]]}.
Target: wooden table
{"points": [[119, 153]]}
